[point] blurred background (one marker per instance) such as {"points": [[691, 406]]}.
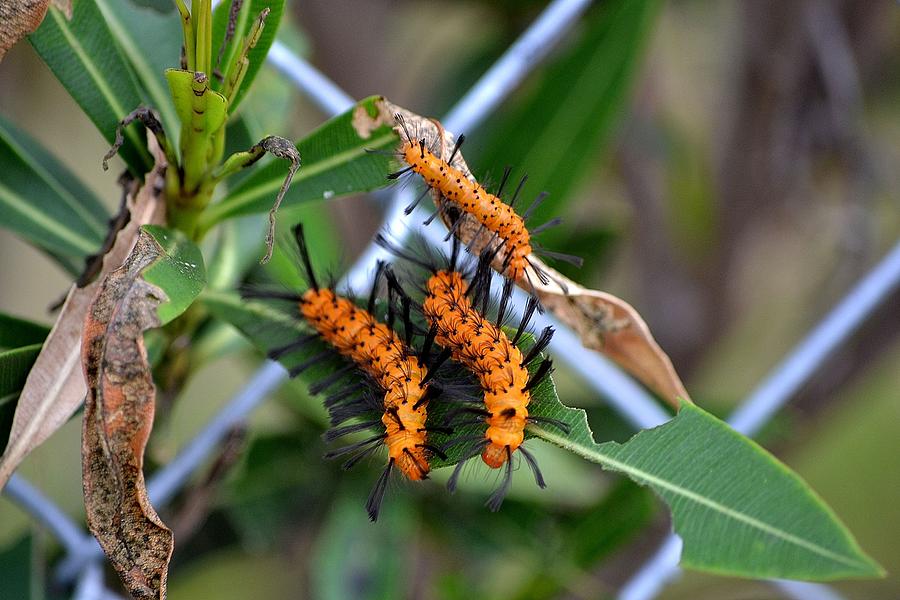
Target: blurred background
{"points": [[728, 168]]}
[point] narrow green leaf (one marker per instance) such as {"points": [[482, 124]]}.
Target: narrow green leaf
{"points": [[555, 132], [248, 13], [337, 573], [41, 200], [252, 317], [151, 42], [18, 578], [83, 55], [15, 332], [14, 368], [179, 271], [738, 509], [335, 163]]}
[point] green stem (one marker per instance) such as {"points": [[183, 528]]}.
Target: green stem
{"points": [[202, 15], [240, 62], [190, 42]]}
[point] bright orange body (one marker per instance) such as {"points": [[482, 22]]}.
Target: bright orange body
{"points": [[496, 216], [378, 351], [484, 349]]}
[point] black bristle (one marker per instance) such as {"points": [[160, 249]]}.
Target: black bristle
{"points": [[506, 171], [330, 379], [304, 256], [354, 447], [545, 368], [456, 147], [539, 346], [568, 258], [412, 205], [535, 470], [435, 450], [376, 280], [376, 497], [402, 122], [534, 205], [339, 432], [530, 307], [561, 425], [496, 499], [397, 251], [294, 371], [280, 351], [519, 187], [545, 226], [400, 173], [454, 478], [505, 295]]}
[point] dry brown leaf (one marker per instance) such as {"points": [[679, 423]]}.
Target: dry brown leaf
{"points": [[55, 386], [613, 327], [18, 18], [118, 417], [603, 322]]}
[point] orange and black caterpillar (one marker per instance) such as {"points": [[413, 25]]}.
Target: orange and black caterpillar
{"points": [[451, 307], [460, 193], [401, 380]]}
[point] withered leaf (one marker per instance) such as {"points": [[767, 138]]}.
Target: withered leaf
{"points": [[118, 417], [602, 321], [55, 386], [18, 18]]}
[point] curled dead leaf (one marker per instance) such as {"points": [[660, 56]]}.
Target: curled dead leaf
{"points": [[611, 326], [118, 417], [603, 322], [55, 386]]}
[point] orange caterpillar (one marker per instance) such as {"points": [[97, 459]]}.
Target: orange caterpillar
{"points": [[470, 197], [401, 377], [482, 347]]}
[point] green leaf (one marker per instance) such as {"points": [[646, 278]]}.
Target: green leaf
{"points": [[179, 271], [15, 332], [45, 203], [18, 578], [14, 368], [555, 133], [252, 317], [83, 55], [737, 508], [335, 163], [257, 55], [337, 572], [151, 42]]}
